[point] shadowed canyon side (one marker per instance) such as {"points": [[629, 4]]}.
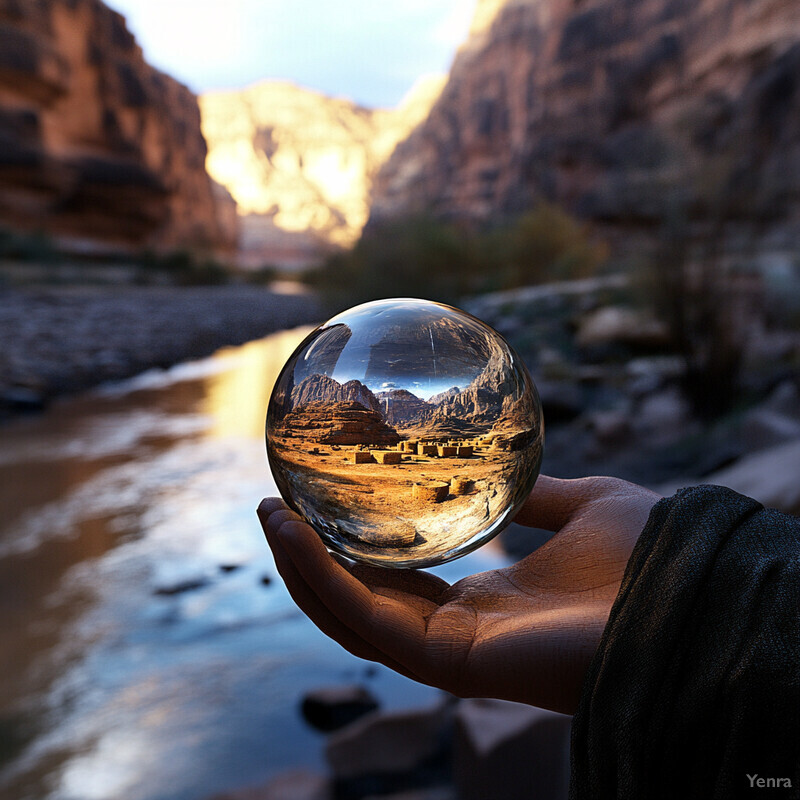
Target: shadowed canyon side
{"points": [[606, 107], [300, 165], [97, 148]]}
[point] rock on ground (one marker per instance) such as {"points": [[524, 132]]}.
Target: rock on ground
{"points": [[510, 751], [392, 742], [297, 784], [332, 707], [769, 476], [64, 339]]}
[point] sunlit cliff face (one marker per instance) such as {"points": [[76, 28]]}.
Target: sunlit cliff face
{"points": [[302, 159]]}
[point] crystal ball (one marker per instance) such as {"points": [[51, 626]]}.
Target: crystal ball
{"points": [[406, 432]]}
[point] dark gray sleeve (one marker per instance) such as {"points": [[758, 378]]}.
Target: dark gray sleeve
{"points": [[695, 687]]}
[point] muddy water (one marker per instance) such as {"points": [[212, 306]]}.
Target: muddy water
{"points": [[148, 648]]}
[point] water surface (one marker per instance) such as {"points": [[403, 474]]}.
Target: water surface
{"points": [[149, 649]]}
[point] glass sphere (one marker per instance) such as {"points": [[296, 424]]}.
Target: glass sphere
{"points": [[406, 432]]}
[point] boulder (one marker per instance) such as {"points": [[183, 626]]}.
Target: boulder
{"points": [[785, 400], [296, 784], [660, 416], [620, 325], [649, 373], [425, 793], [561, 400], [510, 751], [332, 707], [611, 428], [389, 743], [762, 427], [182, 586], [771, 476]]}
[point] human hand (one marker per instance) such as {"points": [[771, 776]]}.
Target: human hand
{"points": [[525, 632]]}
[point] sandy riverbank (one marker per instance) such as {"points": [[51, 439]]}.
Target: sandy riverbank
{"points": [[57, 340]]}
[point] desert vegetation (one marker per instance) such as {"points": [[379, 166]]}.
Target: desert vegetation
{"points": [[444, 261]]}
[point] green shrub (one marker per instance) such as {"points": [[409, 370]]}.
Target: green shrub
{"points": [[421, 256], [35, 247], [543, 245], [184, 268]]}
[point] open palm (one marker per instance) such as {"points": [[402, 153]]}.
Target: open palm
{"points": [[525, 632]]}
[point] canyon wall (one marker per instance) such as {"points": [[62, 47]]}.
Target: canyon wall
{"points": [[300, 165], [97, 148], [622, 111]]}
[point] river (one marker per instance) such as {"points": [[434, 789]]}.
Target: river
{"points": [[149, 649]]}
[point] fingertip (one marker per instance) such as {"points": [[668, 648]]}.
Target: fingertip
{"points": [[268, 505]]}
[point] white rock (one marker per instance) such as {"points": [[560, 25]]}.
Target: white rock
{"points": [[661, 414], [426, 793], [771, 476], [296, 784], [510, 751], [611, 427], [619, 324], [387, 742], [784, 400], [763, 427]]}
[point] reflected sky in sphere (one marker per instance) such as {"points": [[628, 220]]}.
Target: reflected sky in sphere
{"points": [[425, 361]]}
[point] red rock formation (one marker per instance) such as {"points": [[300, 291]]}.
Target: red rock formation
{"points": [[323, 389], [400, 405], [618, 110], [341, 423], [97, 148], [300, 164]]}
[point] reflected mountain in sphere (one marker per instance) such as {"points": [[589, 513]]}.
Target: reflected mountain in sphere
{"points": [[406, 432]]}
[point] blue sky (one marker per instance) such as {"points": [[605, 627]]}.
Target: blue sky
{"points": [[370, 51]]}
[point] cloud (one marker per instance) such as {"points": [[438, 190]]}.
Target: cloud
{"points": [[369, 51]]}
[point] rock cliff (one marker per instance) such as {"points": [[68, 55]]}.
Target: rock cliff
{"points": [[300, 165], [97, 148], [318, 388], [618, 110], [335, 422], [401, 406]]}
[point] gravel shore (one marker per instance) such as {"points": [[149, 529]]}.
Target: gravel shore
{"points": [[57, 340]]}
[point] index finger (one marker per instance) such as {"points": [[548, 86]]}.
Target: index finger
{"points": [[394, 627]]}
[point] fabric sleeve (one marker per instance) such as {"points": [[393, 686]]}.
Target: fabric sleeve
{"points": [[695, 687]]}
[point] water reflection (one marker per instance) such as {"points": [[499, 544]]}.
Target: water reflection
{"points": [[134, 665]]}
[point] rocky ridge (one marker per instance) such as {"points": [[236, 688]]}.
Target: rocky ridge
{"points": [[323, 389], [98, 148], [300, 165], [615, 110], [337, 422], [401, 406], [490, 402]]}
